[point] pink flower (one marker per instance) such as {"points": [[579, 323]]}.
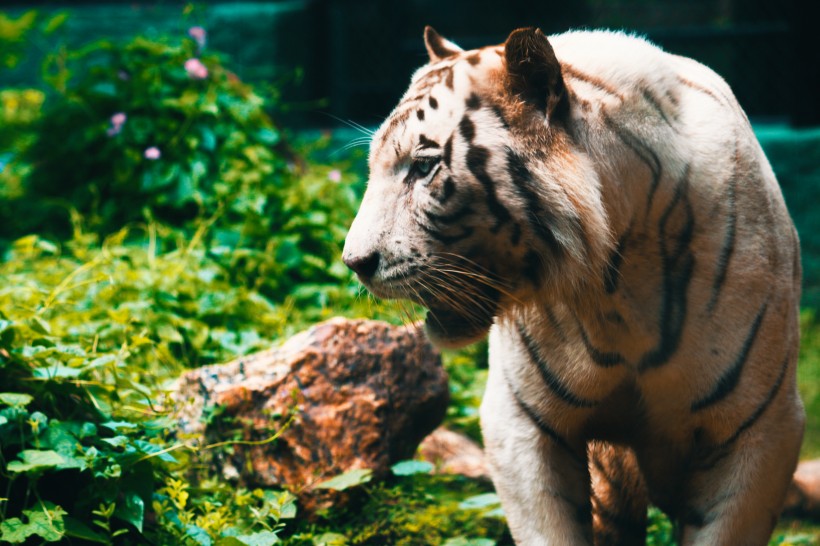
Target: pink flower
{"points": [[117, 121], [196, 69], [335, 175], [199, 35], [152, 153]]}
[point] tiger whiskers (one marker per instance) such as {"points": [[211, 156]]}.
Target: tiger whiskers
{"points": [[462, 299]]}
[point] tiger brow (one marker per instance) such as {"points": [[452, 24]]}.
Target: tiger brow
{"points": [[425, 142]]}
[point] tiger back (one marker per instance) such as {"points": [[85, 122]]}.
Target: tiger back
{"points": [[603, 210]]}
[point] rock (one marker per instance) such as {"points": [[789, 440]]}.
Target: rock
{"points": [[364, 393], [454, 453], [803, 496]]}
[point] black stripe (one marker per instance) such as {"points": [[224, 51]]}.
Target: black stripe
{"points": [[722, 100], [601, 358], [537, 217], [447, 154], [420, 114], [613, 268], [644, 152], [677, 267], [447, 239], [447, 189], [728, 247], [473, 102], [425, 142], [729, 380], [576, 74], [647, 95], [500, 115], [545, 429], [550, 379], [752, 419], [433, 102], [477, 157], [449, 218], [532, 268], [467, 129], [515, 236]]}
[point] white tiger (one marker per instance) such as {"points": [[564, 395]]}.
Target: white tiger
{"points": [[603, 209]]}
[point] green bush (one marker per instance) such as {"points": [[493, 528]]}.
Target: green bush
{"points": [[154, 124], [132, 135]]}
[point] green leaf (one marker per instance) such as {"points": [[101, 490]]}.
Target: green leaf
{"points": [[14, 530], [463, 541], [478, 502], [100, 361], [15, 399], [35, 460], [262, 538], [268, 136], [55, 23], [56, 371], [348, 479], [114, 425], [39, 325], [77, 529], [330, 539], [152, 449], [47, 521], [229, 541], [117, 441], [198, 535], [131, 510], [408, 468]]}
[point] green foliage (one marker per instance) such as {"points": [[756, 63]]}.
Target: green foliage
{"points": [[219, 246], [659, 531], [153, 141], [221, 516], [408, 468], [169, 127], [45, 521], [808, 370], [415, 510], [351, 478]]}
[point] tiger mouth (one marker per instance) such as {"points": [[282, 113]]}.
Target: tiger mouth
{"points": [[463, 319], [454, 317]]}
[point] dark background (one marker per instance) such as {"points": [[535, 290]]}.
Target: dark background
{"points": [[353, 58]]}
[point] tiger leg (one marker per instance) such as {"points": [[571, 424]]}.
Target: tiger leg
{"points": [[543, 484], [736, 499], [619, 496]]}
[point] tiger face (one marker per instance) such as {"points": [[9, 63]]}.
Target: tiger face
{"points": [[469, 231]]}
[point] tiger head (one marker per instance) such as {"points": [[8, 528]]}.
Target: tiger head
{"points": [[477, 198]]}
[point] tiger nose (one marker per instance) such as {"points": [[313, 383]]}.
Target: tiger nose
{"points": [[364, 266]]}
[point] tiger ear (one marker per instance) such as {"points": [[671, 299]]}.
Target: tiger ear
{"points": [[437, 47], [534, 73]]}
